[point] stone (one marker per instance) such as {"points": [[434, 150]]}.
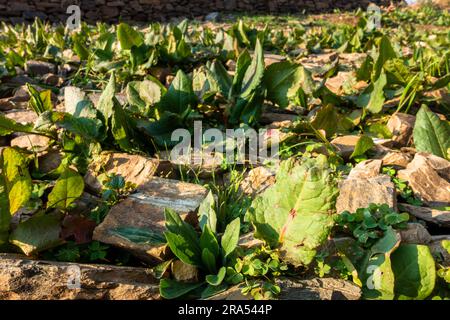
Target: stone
{"points": [[401, 125], [302, 289], [415, 233], [317, 289], [395, 159], [95, 98], [49, 161], [257, 180], [248, 241], [145, 209], [22, 116], [345, 145], [359, 193], [336, 84], [366, 169], [435, 216], [213, 16], [24, 279], [438, 250], [428, 177], [39, 68], [31, 142], [183, 272], [203, 165], [52, 80], [270, 58], [133, 168], [271, 117]]}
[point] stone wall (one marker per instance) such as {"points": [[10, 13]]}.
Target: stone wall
{"points": [[149, 10]]}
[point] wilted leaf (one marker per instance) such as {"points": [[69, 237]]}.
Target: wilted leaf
{"points": [[295, 214], [37, 234]]}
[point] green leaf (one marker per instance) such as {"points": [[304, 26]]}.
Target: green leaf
{"points": [[87, 128], [143, 94], [161, 269], [180, 97], [5, 216], [207, 214], [363, 145], [283, 80], [182, 239], [209, 260], [68, 188], [128, 37], [431, 134], [414, 270], [37, 234], [208, 240], [106, 100], [39, 101], [8, 126], [213, 290], [295, 214], [139, 235], [372, 99], [217, 279], [230, 237], [17, 179], [221, 76], [171, 289], [385, 53]]}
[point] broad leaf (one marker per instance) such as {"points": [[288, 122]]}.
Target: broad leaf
{"points": [[363, 145], [385, 53], [128, 37], [431, 134], [17, 179], [296, 214], [230, 237], [217, 279], [180, 96], [283, 80], [68, 188], [207, 214], [8, 126], [37, 234], [372, 99], [171, 289], [414, 270]]}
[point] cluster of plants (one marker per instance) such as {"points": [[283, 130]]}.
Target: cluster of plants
{"points": [[173, 74]]}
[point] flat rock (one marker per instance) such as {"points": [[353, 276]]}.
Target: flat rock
{"points": [[438, 250], [318, 289], [133, 168], [270, 58], [302, 289], [359, 193], [415, 233], [25, 279], [401, 125], [49, 160], [183, 272], [39, 68], [439, 217], [428, 177], [31, 142], [396, 159], [248, 241], [22, 116], [145, 209], [345, 145], [257, 180], [366, 169]]}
